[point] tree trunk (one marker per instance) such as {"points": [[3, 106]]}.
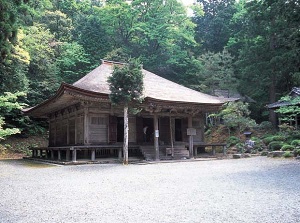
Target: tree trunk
{"points": [[125, 144]]}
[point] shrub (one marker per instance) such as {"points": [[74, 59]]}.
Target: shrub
{"points": [[279, 138], [297, 152], [265, 125], [268, 139], [264, 153], [287, 154], [275, 145], [295, 142], [232, 140], [287, 147]]}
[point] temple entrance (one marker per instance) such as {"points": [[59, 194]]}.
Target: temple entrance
{"points": [[178, 130], [148, 129], [120, 129]]}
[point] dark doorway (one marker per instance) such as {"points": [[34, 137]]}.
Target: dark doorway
{"points": [[148, 129], [120, 129], [178, 131]]}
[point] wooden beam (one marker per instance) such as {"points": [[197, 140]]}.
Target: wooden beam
{"points": [[86, 126], [156, 136], [191, 146]]}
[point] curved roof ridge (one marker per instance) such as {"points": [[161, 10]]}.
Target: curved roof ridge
{"points": [[154, 86]]}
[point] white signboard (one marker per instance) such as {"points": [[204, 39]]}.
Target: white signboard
{"points": [[156, 133], [191, 131]]}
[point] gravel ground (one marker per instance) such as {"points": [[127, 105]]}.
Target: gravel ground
{"points": [[247, 190]]}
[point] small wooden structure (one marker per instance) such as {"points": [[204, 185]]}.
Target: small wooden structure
{"points": [[294, 93], [84, 124]]}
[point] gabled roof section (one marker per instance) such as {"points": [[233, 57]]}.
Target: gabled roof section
{"points": [[295, 92], [155, 86], [66, 95], [94, 87]]}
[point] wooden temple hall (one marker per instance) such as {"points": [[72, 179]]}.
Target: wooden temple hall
{"points": [[84, 125]]}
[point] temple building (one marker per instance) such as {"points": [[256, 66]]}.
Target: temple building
{"points": [[84, 125]]}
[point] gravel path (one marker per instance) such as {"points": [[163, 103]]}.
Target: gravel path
{"points": [[247, 190]]}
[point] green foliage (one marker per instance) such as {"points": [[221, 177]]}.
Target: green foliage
{"points": [[43, 71], [263, 26], [265, 125], [296, 152], [268, 139], [8, 103], [275, 145], [279, 138], [287, 147], [236, 116], [213, 28], [8, 26], [217, 72], [264, 153], [232, 140], [58, 24], [295, 142], [291, 110], [72, 62], [287, 154], [126, 83]]}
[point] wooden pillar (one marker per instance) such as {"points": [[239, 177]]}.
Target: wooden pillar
{"points": [[68, 129], [93, 154], [224, 150], [55, 131], [202, 124], [75, 132], [156, 136], [68, 154], [46, 154], [41, 153], [59, 155], [52, 154], [74, 154], [213, 150], [196, 151], [120, 154], [191, 141], [86, 126]]}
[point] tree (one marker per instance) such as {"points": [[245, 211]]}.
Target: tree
{"points": [[15, 67], [214, 27], [216, 73], [43, 69], [291, 110], [72, 62], [126, 86], [158, 32], [235, 115], [8, 102], [268, 46], [8, 25]]}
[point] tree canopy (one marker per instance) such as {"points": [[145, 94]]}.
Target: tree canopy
{"points": [[246, 47]]}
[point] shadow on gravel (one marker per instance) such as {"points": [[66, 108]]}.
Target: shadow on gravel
{"points": [[26, 163]]}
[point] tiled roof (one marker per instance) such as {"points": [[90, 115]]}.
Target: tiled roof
{"points": [[155, 86]]}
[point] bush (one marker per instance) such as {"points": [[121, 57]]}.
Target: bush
{"points": [[295, 142], [279, 138], [232, 140], [275, 145], [268, 139], [287, 154], [264, 153], [297, 152], [287, 147], [265, 125]]}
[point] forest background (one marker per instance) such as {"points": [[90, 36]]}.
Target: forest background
{"points": [[250, 48]]}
